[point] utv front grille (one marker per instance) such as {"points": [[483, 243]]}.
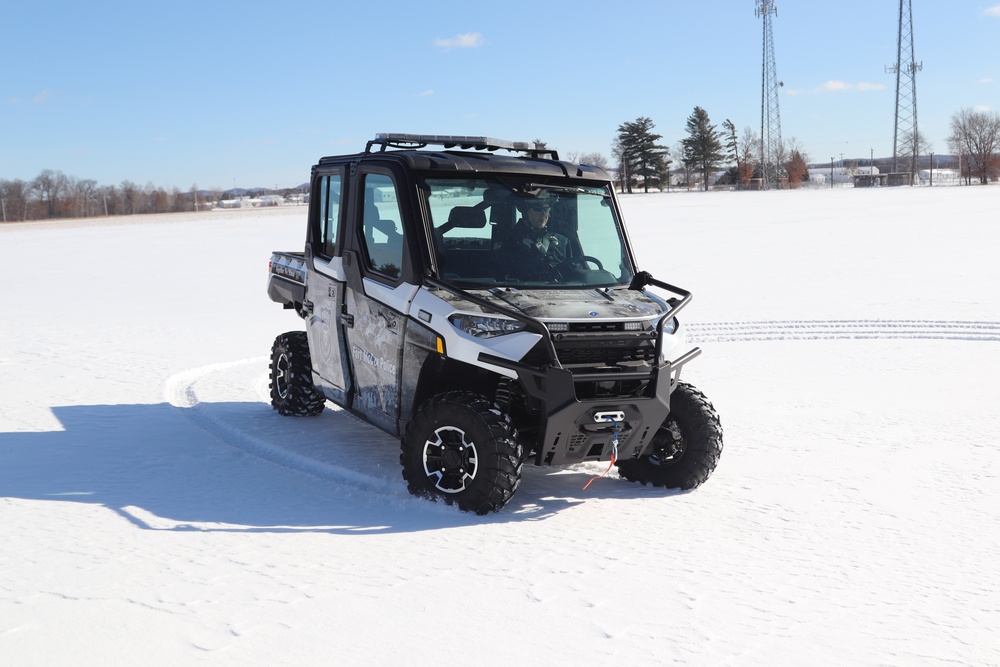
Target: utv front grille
{"points": [[597, 348], [588, 355]]}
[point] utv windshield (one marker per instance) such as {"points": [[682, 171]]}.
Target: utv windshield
{"points": [[501, 231]]}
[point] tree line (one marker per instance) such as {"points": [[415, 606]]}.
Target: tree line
{"points": [[53, 194], [641, 160], [706, 149]]}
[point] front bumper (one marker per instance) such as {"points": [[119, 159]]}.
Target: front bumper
{"points": [[573, 430]]}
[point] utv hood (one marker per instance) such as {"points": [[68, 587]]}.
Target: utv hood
{"points": [[617, 303]]}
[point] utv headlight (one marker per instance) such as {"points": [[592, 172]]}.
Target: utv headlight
{"points": [[485, 327], [670, 327]]}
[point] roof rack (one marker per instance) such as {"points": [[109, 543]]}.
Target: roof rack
{"points": [[416, 141]]}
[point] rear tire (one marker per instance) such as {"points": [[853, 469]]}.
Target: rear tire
{"points": [[685, 449], [461, 449], [292, 390]]}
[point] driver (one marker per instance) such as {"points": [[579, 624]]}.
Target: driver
{"points": [[537, 250]]}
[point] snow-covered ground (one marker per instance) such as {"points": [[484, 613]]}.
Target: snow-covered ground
{"points": [[156, 511]]}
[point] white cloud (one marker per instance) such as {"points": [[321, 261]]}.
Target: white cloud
{"points": [[992, 11], [986, 80], [425, 93], [836, 86], [983, 107], [42, 97], [469, 40], [833, 87]]}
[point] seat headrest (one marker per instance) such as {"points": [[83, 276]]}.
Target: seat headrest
{"points": [[467, 217]]}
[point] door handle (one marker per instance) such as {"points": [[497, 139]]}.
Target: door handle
{"points": [[346, 318]]}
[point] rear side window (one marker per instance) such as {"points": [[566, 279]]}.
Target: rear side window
{"points": [[329, 213]]}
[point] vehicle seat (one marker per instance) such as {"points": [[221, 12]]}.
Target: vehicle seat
{"points": [[382, 253]]}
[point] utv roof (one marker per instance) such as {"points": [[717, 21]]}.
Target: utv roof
{"points": [[475, 155]]}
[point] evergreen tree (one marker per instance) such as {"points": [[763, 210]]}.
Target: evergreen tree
{"points": [[640, 155], [703, 148]]}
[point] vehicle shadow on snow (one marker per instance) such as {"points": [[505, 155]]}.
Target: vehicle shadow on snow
{"points": [[210, 468]]}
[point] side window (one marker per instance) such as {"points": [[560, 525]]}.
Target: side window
{"points": [[382, 225], [329, 213]]}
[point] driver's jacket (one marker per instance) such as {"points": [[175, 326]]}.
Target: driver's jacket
{"points": [[534, 253]]}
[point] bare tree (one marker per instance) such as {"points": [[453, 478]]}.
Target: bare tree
{"points": [[594, 160], [14, 197], [159, 200], [686, 170], [912, 145], [976, 135], [129, 197], [50, 186], [626, 165], [749, 146], [83, 195]]}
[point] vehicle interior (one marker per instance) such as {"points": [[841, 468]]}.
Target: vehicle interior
{"points": [[473, 223]]}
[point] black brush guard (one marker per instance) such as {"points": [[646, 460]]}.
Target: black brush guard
{"points": [[574, 429]]}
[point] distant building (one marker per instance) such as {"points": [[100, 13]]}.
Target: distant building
{"points": [[940, 176], [839, 174]]}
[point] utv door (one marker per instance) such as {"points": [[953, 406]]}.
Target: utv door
{"points": [[377, 296], [325, 291]]}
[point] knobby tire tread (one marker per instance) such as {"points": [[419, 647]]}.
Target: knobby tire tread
{"points": [[702, 431], [303, 399], [503, 461]]}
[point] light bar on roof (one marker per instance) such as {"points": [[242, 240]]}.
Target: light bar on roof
{"points": [[449, 141]]}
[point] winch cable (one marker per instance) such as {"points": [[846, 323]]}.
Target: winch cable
{"points": [[614, 454]]}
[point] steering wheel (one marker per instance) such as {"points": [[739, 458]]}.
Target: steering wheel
{"points": [[581, 261]]}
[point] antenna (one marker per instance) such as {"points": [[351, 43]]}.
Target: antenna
{"points": [[905, 69], [770, 114]]}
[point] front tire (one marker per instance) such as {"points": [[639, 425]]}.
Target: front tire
{"points": [[685, 449], [292, 390], [461, 449]]}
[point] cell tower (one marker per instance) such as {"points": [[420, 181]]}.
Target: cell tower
{"points": [[906, 68], [770, 115]]}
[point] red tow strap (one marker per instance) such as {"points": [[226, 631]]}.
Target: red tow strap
{"points": [[614, 454]]}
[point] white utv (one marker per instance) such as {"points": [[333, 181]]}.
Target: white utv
{"points": [[431, 314]]}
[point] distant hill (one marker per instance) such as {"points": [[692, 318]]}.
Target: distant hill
{"points": [[256, 192]]}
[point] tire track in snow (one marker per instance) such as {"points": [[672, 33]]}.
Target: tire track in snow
{"points": [[287, 446], [728, 332]]}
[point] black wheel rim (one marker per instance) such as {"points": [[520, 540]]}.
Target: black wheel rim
{"points": [[671, 447], [451, 460]]}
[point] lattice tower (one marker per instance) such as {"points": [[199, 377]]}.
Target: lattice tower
{"points": [[770, 114], [906, 68]]}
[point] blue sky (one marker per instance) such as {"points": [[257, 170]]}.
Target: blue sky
{"points": [[219, 93]]}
